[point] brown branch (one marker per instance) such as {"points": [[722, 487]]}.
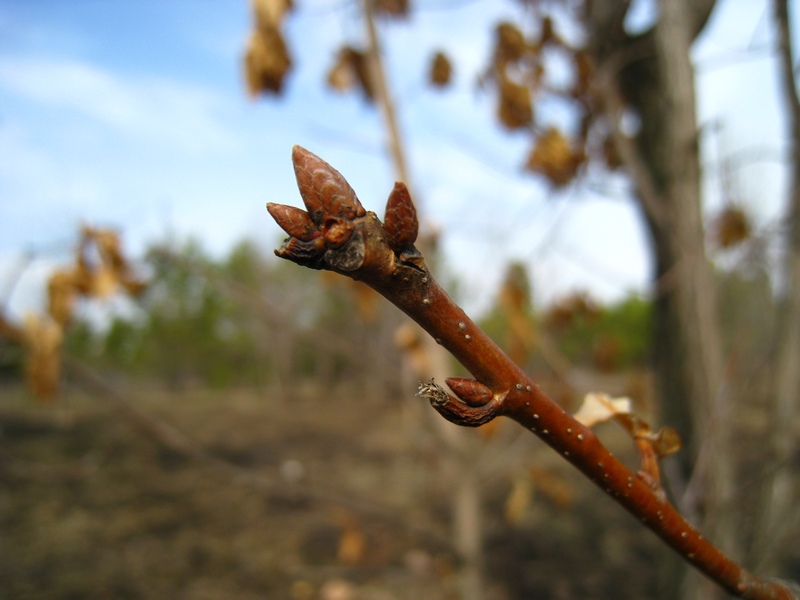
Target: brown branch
{"points": [[338, 234]]}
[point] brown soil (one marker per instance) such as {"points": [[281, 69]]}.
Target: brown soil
{"points": [[337, 498]]}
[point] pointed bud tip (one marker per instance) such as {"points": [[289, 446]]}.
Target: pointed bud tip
{"points": [[400, 218]]}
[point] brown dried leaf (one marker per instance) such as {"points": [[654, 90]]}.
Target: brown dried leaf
{"points": [[351, 69], [510, 45], [635, 426], [270, 12], [731, 227], [548, 34], [105, 282], [514, 109], [62, 294], [341, 76], [599, 407], [266, 61], [666, 441], [553, 157], [109, 248], [441, 71], [42, 339]]}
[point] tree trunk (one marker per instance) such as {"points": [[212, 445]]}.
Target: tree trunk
{"points": [[777, 507], [653, 77]]}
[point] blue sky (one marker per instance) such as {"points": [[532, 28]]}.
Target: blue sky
{"points": [[133, 114]]}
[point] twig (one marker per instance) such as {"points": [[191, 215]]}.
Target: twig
{"points": [[338, 234]]}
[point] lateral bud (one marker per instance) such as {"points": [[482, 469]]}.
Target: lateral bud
{"points": [[400, 220], [293, 221], [470, 391]]}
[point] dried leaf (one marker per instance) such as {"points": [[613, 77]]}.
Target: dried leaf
{"points": [[341, 76], [731, 227], [109, 248], [553, 157], [42, 337], [270, 12], [514, 109], [635, 426], [105, 282], [266, 61], [441, 71], [599, 407], [666, 441], [62, 294], [510, 45], [548, 34], [351, 69]]}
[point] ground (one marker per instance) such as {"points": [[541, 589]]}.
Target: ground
{"points": [[298, 496]]}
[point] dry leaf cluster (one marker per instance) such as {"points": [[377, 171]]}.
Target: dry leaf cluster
{"points": [[100, 270], [519, 71], [599, 408]]}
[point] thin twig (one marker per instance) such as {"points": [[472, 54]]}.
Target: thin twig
{"points": [[339, 235]]}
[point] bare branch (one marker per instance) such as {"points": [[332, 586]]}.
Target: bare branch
{"points": [[356, 244]]}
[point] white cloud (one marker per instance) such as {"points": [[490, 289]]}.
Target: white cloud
{"points": [[154, 108]]}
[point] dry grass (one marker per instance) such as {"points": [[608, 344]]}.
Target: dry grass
{"points": [[91, 509]]}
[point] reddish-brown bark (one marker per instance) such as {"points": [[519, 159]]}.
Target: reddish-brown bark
{"points": [[356, 244]]}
